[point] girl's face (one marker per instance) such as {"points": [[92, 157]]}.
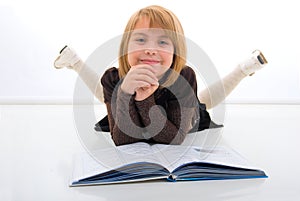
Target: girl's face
{"points": [[150, 46]]}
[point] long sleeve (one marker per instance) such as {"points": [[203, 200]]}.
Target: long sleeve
{"points": [[171, 123], [125, 125], [165, 126], [164, 117], [124, 120]]}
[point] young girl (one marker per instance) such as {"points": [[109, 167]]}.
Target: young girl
{"points": [[152, 95]]}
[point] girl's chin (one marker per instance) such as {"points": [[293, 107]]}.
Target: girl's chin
{"points": [[160, 72]]}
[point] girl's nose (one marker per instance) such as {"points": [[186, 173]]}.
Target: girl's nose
{"points": [[150, 51]]}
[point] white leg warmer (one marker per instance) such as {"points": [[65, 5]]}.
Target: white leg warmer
{"points": [[217, 92], [90, 78]]}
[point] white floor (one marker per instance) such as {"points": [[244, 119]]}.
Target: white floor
{"points": [[37, 143]]}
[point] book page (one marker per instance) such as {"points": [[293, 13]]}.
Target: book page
{"points": [[103, 160], [169, 156], [89, 164], [139, 152], [226, 156], [176, 155]]}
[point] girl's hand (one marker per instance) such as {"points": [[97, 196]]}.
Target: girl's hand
{"points": [[144, 92], [140, 79]]}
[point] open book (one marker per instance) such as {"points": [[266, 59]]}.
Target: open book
{"points": [[141, 161]]}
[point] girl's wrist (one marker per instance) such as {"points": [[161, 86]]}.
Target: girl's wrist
{"points": [[125, 90], [124, 95]]}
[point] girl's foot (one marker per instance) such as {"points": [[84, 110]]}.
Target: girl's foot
{"points": [[67, 58], [254, 63]]}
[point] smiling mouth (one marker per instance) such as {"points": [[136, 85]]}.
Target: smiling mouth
{"points": [[149, 61]]}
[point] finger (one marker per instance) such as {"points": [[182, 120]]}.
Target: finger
{"points": [[141, 84], [146, 78], [145, 75], [145, 67]]}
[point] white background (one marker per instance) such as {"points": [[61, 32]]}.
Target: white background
{"points": [[32, 33], [37, 142]]}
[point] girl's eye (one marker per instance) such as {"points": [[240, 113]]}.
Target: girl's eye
{"points": [[140, 40], [163, 42]]}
